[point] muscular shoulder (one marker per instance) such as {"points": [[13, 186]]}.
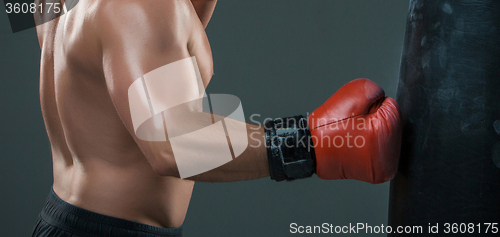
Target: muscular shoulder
{"points": [[154, 21]]}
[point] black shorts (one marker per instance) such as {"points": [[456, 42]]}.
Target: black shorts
{"points": [[59, 218]]}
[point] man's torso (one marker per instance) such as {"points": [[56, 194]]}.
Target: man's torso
{"points": [[97, 164]]}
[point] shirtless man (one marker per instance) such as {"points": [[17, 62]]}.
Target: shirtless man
{"points": [[107, 181]]}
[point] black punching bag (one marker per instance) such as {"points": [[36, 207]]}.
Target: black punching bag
{"points": [[449, 94]]}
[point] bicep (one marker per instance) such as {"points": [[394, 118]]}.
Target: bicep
{"points": [[141, 81]]}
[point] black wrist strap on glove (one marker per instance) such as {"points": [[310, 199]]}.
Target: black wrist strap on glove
{"points": [[289, 148]]}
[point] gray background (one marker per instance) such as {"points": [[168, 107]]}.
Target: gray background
{"points": [[281, 58]]}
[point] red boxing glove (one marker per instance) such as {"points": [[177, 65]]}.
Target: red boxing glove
{"points": [[356, 134]]}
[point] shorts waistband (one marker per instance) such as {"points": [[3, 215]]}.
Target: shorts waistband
{"points": [[77, 220]]}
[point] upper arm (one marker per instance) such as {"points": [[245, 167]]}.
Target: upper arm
{"points": [[137, 38]]}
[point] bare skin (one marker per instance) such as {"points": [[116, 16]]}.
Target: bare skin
{"points": [[90, 56]]}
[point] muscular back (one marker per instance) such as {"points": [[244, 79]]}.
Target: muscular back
{"points": [[89, 57]]}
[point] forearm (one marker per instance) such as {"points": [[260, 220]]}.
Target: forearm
{"points": [[204, 10], [251, 164], [208, 147]]}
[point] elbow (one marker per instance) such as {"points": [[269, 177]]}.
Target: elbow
{"points": [[165, 166]]}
